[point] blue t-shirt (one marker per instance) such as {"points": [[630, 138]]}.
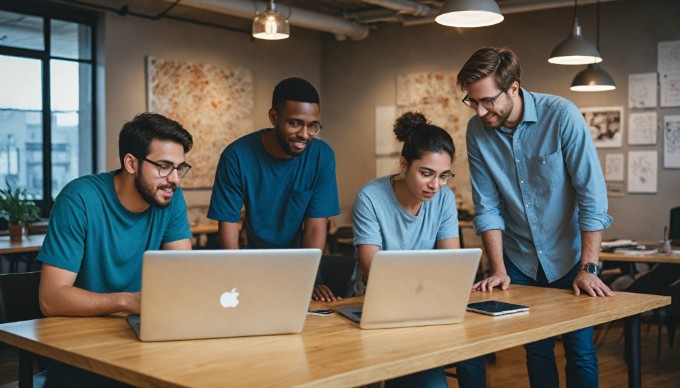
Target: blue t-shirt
{"points": [[278, 194], [378, 218], [92, 234], [541, 184]]}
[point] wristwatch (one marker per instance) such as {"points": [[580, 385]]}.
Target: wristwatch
{"points": [[591, 268]]}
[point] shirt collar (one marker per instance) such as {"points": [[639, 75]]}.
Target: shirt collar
{"points": [[529, 115]]}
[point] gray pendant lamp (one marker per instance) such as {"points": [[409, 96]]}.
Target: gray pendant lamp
{"points": [[593, 78], [270, 25], [576, 50], [469, 13]]}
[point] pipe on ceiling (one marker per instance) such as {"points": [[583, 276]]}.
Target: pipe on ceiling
{"points": [[299, 17]]}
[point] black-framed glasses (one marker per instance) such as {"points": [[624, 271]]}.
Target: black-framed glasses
{"points": [[429, 176], [297, 125], [486, 103], [165, 169]]}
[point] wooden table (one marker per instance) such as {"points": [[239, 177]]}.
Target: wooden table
{"points": [[206, 228], [331, 351], [31, 243], [667, 258]]}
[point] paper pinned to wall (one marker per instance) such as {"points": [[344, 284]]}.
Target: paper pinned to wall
{"points": [[642, 171], [605, 125], [668, 57], [642, 90], [643, 127], [671, 142], [614, 167], [670, 89]]}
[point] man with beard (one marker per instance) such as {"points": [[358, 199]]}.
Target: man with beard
{"points": [[283, 176], [540, 199], [101, 225]]}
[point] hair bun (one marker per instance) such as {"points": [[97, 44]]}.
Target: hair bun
{"points": [[407, 123]]}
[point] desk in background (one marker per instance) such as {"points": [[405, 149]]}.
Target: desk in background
{"points": [[24, 250], [331, 351]]}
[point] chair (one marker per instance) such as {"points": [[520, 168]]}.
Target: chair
{"points": [[340, 240], [674, 232], [338, 273], [19, 301]]}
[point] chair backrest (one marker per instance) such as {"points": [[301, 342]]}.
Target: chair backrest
{"points": [[674, 232], [338, 273], [19, 299]]}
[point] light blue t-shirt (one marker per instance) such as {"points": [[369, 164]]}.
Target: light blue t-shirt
{"points": [[278, 194], [378, 218], [541, 184], [92, 234]]}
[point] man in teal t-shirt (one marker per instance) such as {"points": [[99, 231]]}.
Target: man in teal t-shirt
{"points": [[284, 176], [101, 225]]}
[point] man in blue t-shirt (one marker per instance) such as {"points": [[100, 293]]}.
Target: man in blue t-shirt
{"points": [[101, 225], [283, 176]]}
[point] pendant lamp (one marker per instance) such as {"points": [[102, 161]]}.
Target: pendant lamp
{"points": [[576, 50], [469, 13], [593, 78], [270, 25]]}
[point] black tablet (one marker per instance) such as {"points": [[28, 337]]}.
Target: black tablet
{"points": [[495, 307]]}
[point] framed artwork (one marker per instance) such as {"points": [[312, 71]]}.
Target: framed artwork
{"points": [[605, 125], [215, 104]]}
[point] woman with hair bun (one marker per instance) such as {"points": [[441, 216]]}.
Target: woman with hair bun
{"points": [[412, 210]]}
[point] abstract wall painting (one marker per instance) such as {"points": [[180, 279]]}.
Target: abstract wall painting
{"points": [[605, 125], [215, 104], [642, 171]]}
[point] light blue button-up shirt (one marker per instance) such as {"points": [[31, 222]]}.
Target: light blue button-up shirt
{"points": [[541, 184]]}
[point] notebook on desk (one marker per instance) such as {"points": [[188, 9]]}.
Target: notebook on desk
{"points": [[224, 293], [416, 288]]}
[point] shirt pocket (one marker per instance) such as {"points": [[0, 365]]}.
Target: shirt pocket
{"points": [[297, 206], [548, 170]]}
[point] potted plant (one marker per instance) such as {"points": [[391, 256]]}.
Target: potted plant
{"points": [[17, 210]]}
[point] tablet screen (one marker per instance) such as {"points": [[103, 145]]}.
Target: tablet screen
{"points": [[495, 307]]}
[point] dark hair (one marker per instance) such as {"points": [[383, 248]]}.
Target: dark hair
{"points": [[136, 136], [294, 89], [501, 62], [419, 137]]}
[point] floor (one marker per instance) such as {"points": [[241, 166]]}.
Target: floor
{"points": [[508, 371]]}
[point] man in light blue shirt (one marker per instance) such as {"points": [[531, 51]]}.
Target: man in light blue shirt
{"points": [[540, 199]]}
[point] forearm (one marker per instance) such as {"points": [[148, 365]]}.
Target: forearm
{"points": [[228, 235], [314, 233], [590, 247], [73, 301], [493, 246]]}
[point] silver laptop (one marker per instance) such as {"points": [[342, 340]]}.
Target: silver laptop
{"points": [[224, 293], [416, 288]]}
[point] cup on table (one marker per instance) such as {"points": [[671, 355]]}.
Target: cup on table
{"points": [[665, 246]]}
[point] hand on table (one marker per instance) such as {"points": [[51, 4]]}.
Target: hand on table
{"points": [[590, 284], [495, 280], [324, 294]]}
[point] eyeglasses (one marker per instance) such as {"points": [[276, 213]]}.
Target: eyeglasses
{"points": [[486, 103], [429, 176], [165, 169], [297, 125]]}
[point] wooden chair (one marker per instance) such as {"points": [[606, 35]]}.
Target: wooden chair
{"points": [[19, 301]]}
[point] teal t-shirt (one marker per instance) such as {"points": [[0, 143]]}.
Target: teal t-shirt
{"points": [[92, 234]]}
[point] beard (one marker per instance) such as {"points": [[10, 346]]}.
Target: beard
{"points": [[147, 191], [285, 143], [502, 115]]}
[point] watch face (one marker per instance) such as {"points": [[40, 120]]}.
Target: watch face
{"points": [[592, 268]]}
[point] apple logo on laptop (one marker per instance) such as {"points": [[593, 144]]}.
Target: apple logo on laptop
{"points": [[229, 298]]}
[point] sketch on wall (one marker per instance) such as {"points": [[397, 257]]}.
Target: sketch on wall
{"points": [[671, 142], [214, 104], [642, 128], [614, 167], [437, 96], [642, 171], [605, 125], [387, 147], [668, 59], [670, 89], [642, 90]]}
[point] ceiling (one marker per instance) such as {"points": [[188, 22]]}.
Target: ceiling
{"points": [[343, 18]]}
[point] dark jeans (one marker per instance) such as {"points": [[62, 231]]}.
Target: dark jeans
{"points": [[471, 374], [579, 349]]}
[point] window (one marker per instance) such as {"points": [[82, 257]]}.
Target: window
{"points": [[47, 97]]}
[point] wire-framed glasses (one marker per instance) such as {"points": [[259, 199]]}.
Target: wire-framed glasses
{"points": [[297, 125], [486, 103], [165, 169], [428, 176]]}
